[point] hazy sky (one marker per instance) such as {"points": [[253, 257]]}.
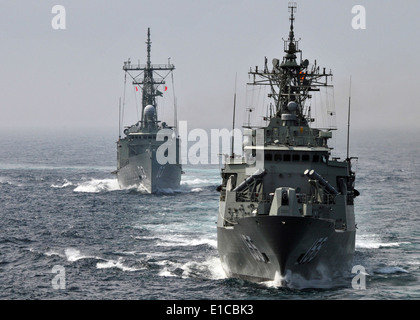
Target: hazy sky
{"points": [[73, 78]]}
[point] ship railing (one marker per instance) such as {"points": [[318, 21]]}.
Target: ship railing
{"points": [[304, 198], [307, 198], [268, 198], [254, 197], [329, 198]]}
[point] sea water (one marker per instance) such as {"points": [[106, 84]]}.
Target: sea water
{"points": [[67, 231]]}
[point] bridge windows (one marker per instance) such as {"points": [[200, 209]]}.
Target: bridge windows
{"points": [[268, 157], [295, 157], [145, 136]]}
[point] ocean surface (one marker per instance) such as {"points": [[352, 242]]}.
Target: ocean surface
{"points": [[67, 231]]}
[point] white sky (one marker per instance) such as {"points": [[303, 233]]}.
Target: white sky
{"points": [[73, 78]]}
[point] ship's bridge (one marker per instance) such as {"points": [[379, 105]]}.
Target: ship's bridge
{"points": [[288, 154]]}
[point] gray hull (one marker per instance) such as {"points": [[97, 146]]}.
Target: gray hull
{"points": [[145, 171], [286, 209], [294, 250], [137, 163]]}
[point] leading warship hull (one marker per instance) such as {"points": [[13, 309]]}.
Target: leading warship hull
{"points": [[296, 251], [143, 170], [286, 209]]}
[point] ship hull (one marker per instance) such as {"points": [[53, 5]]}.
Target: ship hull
{"points": [[296, 251], [143, 170]]}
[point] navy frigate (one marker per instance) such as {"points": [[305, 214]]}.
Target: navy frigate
{"points": [[148, 155], [286, 208]]}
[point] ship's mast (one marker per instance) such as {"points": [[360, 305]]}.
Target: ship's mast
{"points": [[148, 97], [292, 44], [290, 80], [149, 46], [148, 84], [348, 125]]}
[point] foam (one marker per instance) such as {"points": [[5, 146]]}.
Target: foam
{"points": [[378, 245], [54, 253], [390, 270], [7, 181], [73, 255], [291, 280], [211, 268], [277, 282], [196, 181], [98, 185], [179, 240], [102, 185], [65, 184], [370, 242], [115, 264]]}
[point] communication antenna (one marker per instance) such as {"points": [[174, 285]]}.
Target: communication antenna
{"points": [[123, 102], [119, 120], [348, 124], [175, 103], [232, 155]]}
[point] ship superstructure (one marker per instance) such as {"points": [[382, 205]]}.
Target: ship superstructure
{"points": [[286, 207]]}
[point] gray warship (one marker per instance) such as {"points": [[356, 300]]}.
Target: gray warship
{"points": [[286, 208], [148, 155]]}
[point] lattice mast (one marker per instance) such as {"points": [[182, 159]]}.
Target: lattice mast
{"points": [[151, 80], [291, 82]]}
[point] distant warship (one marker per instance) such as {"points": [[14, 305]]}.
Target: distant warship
{"points": [[148, 155], [286, 207]]}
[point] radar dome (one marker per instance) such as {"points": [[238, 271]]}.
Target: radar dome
{"points": [[149, 113], [292, 106]]}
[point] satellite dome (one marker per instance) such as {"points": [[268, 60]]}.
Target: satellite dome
{"points": [[149, 113], [292, 106]]}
